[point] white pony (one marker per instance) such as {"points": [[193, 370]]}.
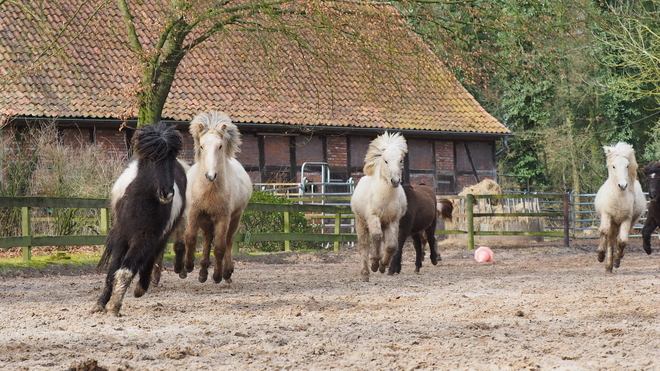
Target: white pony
{"points": [[619, 203], [218, 191], [379, 201]]}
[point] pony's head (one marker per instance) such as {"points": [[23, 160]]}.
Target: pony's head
{"points": [[621, 164], [216, 138], [157, 147], [652, 172], [385, 157]]}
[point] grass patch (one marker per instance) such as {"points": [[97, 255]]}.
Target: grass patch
{"points": [[43, 262]]}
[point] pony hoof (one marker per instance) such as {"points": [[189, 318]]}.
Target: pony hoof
{"points": [[416, 269], [98, 309], [183, 274], [139, 291], [434, 261], [601, 256], [648, 250], [203, 277], [374, 266]]}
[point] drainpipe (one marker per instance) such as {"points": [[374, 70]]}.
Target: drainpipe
{"points": [[505, 142]]}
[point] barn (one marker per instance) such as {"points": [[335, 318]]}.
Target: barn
{"points": [[296, 102]]}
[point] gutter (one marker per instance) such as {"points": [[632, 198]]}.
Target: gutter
{"points": [[278, 128]]}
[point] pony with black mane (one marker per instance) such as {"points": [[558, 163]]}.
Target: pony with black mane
{"points": [[652, 172], [148, 200], [419, 222]]}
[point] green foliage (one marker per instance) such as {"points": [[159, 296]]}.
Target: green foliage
{"points": [[36, 162], [563, 76], [264, 222]]}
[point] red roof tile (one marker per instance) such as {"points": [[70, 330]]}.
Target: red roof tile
{"points": [[281, 83]]}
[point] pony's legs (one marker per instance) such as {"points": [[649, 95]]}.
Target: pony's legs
{"points": [[123, 278], [603, 231], [205, 261], [609, 255], [179, 247], [156, 270], [190, 240], [649, 227], [376, 232], [419, 250], [429, 235], [391, 236], [622, 241], [395, 265], [148, 270], [363, 247], [109, 281], [228, 263]]}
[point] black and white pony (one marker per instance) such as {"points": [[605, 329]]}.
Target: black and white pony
{"points": [[148, 200]]}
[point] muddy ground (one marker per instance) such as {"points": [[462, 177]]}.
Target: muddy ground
{"points": [[537, 307]]}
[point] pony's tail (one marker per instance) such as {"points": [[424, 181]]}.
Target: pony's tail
{"points": [[445, 209], [105, 258]]}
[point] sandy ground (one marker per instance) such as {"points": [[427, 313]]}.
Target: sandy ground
{"points": [[537, 307]]}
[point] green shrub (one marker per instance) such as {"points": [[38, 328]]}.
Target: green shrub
{"points": [[264, 222]]}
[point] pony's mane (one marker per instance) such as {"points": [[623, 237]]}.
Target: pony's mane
{"points": [[379, 145], [622, 149], [219, 122], [156, 141], [652, 167]]}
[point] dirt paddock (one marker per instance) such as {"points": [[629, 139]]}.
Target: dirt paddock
{"points": [[537, 307]]}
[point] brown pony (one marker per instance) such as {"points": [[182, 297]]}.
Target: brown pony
{"points": [[652, 172], [218, 191], [420, 221]]}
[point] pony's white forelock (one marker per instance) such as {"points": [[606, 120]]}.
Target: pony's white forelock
{"points": [[379, 145], [622, 149], [220, 122]]}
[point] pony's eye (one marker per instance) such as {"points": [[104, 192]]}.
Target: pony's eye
{"points": [[613, 167], [201, 147], [386, 162]]}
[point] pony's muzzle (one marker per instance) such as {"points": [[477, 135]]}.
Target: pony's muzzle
{"points": [[623, 186], [395, 182], [211, 176], [165, 197]]}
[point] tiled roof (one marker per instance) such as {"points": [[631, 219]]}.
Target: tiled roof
{"points": [[317, 80]]}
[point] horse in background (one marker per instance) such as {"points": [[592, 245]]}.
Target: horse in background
{"points": [[652, 172], [379, 202], [148, 202], [219, 190], [619, 203], [419, 221]]}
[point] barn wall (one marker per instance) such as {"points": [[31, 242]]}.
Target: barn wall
{"points": [[449, 165]]}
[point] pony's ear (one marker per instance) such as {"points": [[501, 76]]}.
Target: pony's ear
{"points": [[202, 128], [223, 127], [369, 168]]}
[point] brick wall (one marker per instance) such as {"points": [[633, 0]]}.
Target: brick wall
{"points": [[249, 155], [337, 151], [444, 155]]}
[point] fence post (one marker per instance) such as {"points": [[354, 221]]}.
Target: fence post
{"points": [[470, 219], [26, 230], [105, 221], [337, 229], [567, 221], [287, 230]]}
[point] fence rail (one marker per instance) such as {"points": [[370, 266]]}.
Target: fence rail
{"points": [[568, 214]]}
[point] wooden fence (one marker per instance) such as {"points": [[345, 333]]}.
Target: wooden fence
{"points": [[336, 212]]}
